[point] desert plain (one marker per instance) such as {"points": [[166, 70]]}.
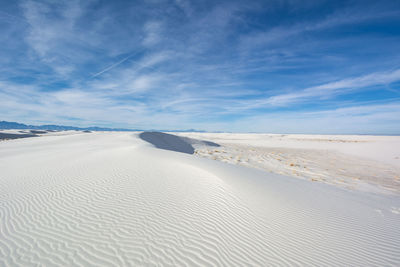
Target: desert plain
{"points": [[198, 199]]}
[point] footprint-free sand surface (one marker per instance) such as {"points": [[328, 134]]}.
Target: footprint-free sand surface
{"points": [[368, 163], [114, 199]]}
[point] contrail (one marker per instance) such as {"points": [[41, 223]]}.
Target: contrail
{"points": [[112, 66]]}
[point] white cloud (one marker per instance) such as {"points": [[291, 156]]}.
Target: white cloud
{"points": [[54, 36], [180, 67], [185, 6], [334, 88], [285, 33], [143, 83], [152, 31], [356, 119]]}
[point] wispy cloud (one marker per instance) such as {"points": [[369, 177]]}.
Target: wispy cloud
{"points": [[378, 118], [223, 65], [339, 18], [332, 89], [152, 31]]}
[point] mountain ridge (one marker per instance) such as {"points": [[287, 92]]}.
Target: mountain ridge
{"points": [[5, 125]]}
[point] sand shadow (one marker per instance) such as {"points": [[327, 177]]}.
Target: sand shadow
{"points": [[173, 142], [5, 136], [38, 132]]}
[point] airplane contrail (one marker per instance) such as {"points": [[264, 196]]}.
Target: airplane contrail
{"points": [[112, 66]]}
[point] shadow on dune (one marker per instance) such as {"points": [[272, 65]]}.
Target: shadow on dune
{"points": [[173, 142], [4, 136], [38, 132]]}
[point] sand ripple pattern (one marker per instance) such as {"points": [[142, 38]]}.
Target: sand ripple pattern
{"points": [[108, 199]]}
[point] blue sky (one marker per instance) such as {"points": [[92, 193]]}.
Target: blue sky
{"points": [[280, 66]]}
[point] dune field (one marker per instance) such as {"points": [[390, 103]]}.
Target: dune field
{"points": [[197, 199], [369, 163]]}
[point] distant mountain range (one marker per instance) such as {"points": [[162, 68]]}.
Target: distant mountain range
{"points": [[15, 125]]}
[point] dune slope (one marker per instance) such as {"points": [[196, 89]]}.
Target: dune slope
{"points": [[107, 199]]}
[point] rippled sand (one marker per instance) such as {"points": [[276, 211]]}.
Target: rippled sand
{"points": [[112, 199]]}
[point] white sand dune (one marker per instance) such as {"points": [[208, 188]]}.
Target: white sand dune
{"points": [[174, 143], [369, 163], [112, 199]]}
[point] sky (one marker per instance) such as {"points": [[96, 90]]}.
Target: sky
{"points": [[273, 66]]}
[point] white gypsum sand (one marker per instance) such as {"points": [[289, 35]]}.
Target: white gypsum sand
{"points": [[369, 163], [112, 199]]}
